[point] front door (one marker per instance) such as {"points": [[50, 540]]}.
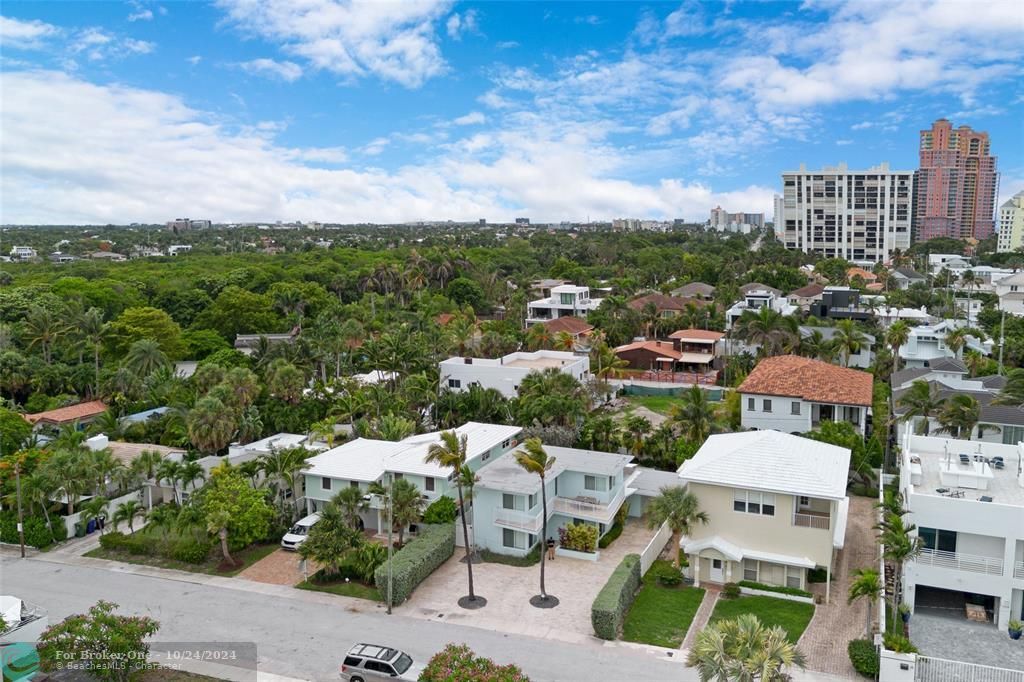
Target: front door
{"points": [[717, 572]]}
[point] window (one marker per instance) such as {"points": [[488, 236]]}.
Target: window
{"points": [[595, 483], [1013, 434], [750, 570], [942, 540], [512, 539], [750, 404], [352, 661], [428, 484], [509, 501], [793, 577], [533, 501], [794, 407], [397, 476], [750, 502], [506, 443], [353, 484], [325, 483], [805, 501], [766, 405], [454, 383]]}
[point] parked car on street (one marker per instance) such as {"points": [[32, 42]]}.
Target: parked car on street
{"points": [[299, 532], [366, 662]]}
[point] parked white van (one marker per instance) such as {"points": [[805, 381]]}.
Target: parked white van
{"points": [[298, 533]]}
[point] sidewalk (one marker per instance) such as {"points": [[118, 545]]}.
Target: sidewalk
{"points": [[700, 619]]}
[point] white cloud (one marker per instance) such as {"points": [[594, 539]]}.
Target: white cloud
{"points": [[393, 41], [472, 118], [550, 171], [286, 71], [843, 143], [194, 60], [141, 15], [459, 25], [375, 146], [25, 35], [506, 44], [99, 45], [493, 100], [589, 19]]}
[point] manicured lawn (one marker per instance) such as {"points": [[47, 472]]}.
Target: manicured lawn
{"points": [[349, 589], [661, 615], [654, 403], [792, 616]]}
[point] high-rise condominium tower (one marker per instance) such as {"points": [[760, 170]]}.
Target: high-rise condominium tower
{"points": [[837, 213], [956, 184], [1011, 224]]}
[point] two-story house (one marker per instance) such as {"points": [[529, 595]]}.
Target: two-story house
{"points": [[904, 278], [664, 306], [794, 394], [506, 373], [583, 486], [806, 296], [1010, 291], [755, 297], [840, 303], [967, 501], [776, 506], [927, 343], [565, 299]]}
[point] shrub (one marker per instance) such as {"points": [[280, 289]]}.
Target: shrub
{"points": [[613, 533], [36, 533], [579, 537], [113, 541], [864, 657], [417, 560], [531, 559], [667, 575], [774, 588], [191, 551], [441, 510], [731, 591], [816, 575], [140, 545], [458, 662], [613, 601], [898, 643]]}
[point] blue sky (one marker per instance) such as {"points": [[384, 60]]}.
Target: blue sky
{"points": [[421, 110]]}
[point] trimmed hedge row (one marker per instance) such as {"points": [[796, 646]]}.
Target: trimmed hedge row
{"points": [[613, 601], [774, 588], [36, 533], [613, 533], [434, 545], [864, 657], [187, 550]]}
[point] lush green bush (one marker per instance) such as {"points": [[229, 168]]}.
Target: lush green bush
{"points": [[36, 533], [864, 657], [458, 662], [441, 510], [613, 601], [434, 545], [531, 559], [613, 533], [731, 591], [667, 575], [898, 643], [191, 551], [775, 588], [816, 575], [579, 537]]}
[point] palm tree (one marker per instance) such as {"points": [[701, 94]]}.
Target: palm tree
{"points": [[451, 453], [637, 427], [189, 473], [211, 424], [43, 327], [895, 337], [37, 489], [145, 357], [922, 401], [959, 416], [1013, 392], [284, 467], [163, 518], [969, 280], [147, 463], [170, 471], [849, 339], [900, 545], [744, 650], [680, 509], [93, 331], [70, 474], [956, 339], [764, 328], [539, 337], [217, 523], [406, 506], [694, 415], [563, 341], [351, 502], [93, 510], [866, 584], [534, 459], [127, 512], [606, 363]]}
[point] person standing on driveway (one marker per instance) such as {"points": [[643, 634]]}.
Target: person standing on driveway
{"points": [[551, 549]]}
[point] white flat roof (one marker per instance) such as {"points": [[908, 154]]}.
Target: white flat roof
{"points": [[506, 474], [771, 461]]}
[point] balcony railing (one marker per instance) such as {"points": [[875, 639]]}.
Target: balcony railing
{"points": [[1018, 569], [959, 561], [810, 521], [510, 518], [600, 512]]}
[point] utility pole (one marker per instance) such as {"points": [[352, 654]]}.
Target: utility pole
{"points": [[21, 525], [1002, 338], [391, 524]]}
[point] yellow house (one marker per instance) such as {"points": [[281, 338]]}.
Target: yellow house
{"points": [[776, 503]]}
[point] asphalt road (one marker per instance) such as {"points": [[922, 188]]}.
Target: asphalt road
{"points": [[300, 639]]}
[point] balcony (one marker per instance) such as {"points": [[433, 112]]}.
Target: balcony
{"points": [[959, 561], [819, 521], [1018, 569], [589, 510], [519, 520]]}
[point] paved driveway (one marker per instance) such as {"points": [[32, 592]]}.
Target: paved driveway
{"points": [[835, 624], [278, 568], [508, 590]]}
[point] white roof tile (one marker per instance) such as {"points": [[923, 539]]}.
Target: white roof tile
{"points": [[771, 461]]}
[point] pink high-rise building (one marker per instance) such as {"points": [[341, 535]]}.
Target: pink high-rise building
{"points": [[956, 184]]}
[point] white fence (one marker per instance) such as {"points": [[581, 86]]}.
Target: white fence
{"points": [[942, 670], [654, 548], [70, 521]]}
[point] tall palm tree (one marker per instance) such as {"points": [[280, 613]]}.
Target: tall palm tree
{"points": [[93, 331], [538, 337], [637, 427], [351, 502], [211, 424], [127, 512], [93, 510], [43, 327], [406, 506], [191, 472], [563, 341], [37, 490], [694, 415], [764, 328], [1013, 392], [849, 339], [69, 472], [145, 357], [147, 463], [534, 459], [866, 585], [956, 339], [605, 362], [680, 509], [169, 471], [959, 416], [451, 453], [895, 337], [920, 401], [900, 544], [969, 280], [162, 518], [744, 650], [217, 524], [283, 468]]}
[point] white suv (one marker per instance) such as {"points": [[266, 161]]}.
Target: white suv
{"points": [[365, 662], [298, 533]]}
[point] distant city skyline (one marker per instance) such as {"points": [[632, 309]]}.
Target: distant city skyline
{"points": [[142, 111]]}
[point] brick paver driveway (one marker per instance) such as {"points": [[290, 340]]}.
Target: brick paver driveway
{"points": [[835, 624], [508, 590], [279, 568]]}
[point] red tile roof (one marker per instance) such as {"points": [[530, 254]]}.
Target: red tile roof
{"points": [[696, 335], [570, 324], [790, 375], [663, 302], [658, 347], [63, 415]]}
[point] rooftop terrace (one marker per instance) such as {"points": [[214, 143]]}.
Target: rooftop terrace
{"points": [[962, 469]]}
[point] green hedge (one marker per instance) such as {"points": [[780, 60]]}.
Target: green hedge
{"points": [[434, 545], [774, 588], [187, 550], [864, 657], [613, 601], [36, 533], [613, 533]]}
